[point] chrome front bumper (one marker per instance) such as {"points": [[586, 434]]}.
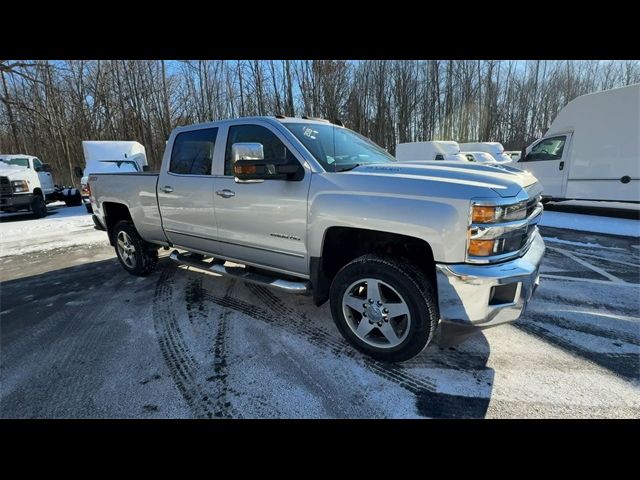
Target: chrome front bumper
{"points": [[487, 295]]}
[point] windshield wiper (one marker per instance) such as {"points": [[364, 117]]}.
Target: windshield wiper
{"points": [[349, 167]]}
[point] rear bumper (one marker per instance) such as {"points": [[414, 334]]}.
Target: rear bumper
{"points": [[487, 295], [22, 200]]}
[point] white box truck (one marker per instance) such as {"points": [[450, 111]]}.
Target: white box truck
{"points": [[110, 156], [495, 149], [428, 151], [592, 149]]}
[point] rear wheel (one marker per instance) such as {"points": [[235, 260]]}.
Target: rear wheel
{"points": [[136, 256], [384, 308], [38, 206], [73, 199]]}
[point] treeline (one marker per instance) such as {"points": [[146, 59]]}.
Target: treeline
{"points": [[48, 107]]}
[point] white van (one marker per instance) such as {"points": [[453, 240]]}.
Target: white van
{"points": [[495, 149], [592, 149], [110, 157], [427, 151]]}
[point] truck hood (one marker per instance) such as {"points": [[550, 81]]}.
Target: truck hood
{"points": [[12, 171], [506, 181]]}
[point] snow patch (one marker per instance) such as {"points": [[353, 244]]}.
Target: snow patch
{"points": [[591, 223], [67, 227]]}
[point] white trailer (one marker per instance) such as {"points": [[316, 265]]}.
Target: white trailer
{"points": [[592, 149], [428, 151]]}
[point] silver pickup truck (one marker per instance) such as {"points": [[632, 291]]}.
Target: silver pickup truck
{"points": [[307, 206]]}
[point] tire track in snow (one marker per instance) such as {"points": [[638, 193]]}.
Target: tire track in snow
{"points": [[217, 383], [180, 362], [429, 402]]}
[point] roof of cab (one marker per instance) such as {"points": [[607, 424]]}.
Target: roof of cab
{"points": [[279, 118], [16, 155]]}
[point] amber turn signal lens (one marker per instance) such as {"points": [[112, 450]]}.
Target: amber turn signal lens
{"points": [[245, 169], [481, 248], [483, 214]]}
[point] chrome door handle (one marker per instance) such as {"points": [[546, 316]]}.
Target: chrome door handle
{"points": [[167, 189], [226, 193]]}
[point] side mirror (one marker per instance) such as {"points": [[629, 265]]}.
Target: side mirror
{"points": [[46, 167], [247, 151], [145, 168], [249, 164], [77, 172], [523, 154]]}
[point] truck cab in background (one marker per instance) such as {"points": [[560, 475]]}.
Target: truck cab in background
{"points": [[592, 149], [109, 157], [26, 183]]}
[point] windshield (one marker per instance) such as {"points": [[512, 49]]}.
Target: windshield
{"points": [[112, 166], [22, 162], [336, 148]]}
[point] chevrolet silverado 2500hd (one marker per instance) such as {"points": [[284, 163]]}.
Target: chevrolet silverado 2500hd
{"points": [[303, 205]]}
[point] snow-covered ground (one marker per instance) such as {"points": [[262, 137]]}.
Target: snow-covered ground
{"points": [[62, 227], [591, 223], [82, 338]]}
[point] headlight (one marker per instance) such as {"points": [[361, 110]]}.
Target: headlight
{"points": [[498, 230], [19, 186], [495, 214]]}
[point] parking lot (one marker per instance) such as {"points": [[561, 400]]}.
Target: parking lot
{"points": [[82, 338]]}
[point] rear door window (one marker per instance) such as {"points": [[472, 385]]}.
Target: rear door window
{"points": [[192, 152]]}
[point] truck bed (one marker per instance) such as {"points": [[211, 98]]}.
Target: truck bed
{"points": [[137, 191]]}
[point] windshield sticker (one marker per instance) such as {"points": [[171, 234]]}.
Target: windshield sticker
{"points": [[309, 132]]}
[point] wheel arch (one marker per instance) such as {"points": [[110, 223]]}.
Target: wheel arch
{"points": [[340, 245], [113, 213]]}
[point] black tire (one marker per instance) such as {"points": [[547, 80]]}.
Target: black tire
{"points": [[38, 206], [73, 200], [145, 254], [415, 289], [88, 207]]}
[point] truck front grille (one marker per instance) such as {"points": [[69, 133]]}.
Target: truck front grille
{"points": [[5, 186]]}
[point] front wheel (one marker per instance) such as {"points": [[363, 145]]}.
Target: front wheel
{"points": [[136, 256], [384, 308], [38, 206]]}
